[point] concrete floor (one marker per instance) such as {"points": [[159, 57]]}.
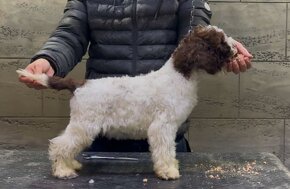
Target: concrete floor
{"points": [[31, 169]]}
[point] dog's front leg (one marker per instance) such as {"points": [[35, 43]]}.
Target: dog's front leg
{"points": [[161, 137]]}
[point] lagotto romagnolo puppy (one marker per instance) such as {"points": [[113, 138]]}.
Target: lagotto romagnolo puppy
{"points": [[150, 106]]}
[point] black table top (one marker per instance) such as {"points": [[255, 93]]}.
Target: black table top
{"points": [[31, 169]]}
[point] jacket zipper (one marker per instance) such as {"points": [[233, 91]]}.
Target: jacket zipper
{"points": [[135, 36]]}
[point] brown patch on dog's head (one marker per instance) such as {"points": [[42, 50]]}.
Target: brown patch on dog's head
{"points": [[205, 48]]}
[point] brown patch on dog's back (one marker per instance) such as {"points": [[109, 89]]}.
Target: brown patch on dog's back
{"points": [[204, 49]]}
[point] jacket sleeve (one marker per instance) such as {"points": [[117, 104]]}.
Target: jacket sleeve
{"points": [[192, 13], [68, 43]]}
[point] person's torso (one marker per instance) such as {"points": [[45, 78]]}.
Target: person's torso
{"points": [[130, 37]]}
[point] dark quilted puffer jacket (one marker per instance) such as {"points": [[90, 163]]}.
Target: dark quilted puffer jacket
{"points": [[125, 37]]}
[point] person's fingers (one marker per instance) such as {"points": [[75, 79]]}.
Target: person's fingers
{"points": [[30, 68], [248, 62], [241, 63], [40, 66], [35, 85], [229, 67], [50, 72], [25, 79], [38, 69], [242, 50], [236, 68]]}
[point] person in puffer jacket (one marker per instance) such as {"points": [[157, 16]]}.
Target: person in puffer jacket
{"points": [[123, 37]]}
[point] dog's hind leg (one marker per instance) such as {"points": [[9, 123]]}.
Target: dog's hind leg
{"points": [[64, 148], [161, 138]]}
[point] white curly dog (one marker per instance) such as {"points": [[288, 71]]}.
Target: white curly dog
{"points": [[150, 106]]}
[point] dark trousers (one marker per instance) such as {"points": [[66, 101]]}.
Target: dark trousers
{"points": [[102, 144]]}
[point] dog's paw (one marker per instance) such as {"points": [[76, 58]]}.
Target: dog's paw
{"points": [[168, 174], [74, 164], [65, 173]]}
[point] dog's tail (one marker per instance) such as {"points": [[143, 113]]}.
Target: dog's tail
{"points": [[53, 82]]}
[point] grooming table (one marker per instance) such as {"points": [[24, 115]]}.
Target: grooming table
{"points": [[21, 169]]}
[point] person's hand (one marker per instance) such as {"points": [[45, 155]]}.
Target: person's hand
{"points": [[39, 66], [242, 61]]}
